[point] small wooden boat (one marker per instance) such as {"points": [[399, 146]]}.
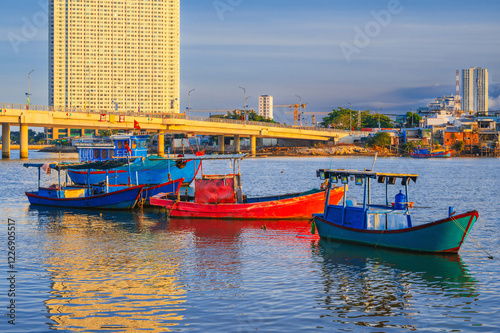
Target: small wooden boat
{"points": [[82, 197], [386, 226], [426, 153], [220, 197], [102, 196]]}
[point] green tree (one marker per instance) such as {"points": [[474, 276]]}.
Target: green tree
{"points": [[458, 146], [381, 139], [339, 118], [412, 119]]}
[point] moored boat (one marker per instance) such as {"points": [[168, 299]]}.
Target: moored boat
{"points": [[221, 197], [427, 153], [386, 226], [103, 196]]}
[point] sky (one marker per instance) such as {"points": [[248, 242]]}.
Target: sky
{"points": [[388, 55]]}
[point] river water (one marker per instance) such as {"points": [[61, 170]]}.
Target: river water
{"points": [[111, 271]]}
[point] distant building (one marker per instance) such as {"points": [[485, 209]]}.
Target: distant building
{"points": [[475, 90], [266, 106], [115, 55]]}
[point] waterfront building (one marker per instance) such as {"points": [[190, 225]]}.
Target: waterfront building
{"points": [[266, 106], [475, 90], [121, 55]]}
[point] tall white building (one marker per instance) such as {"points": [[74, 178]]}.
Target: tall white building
{"points": [[266, 106], [475, 89], [120, 54]]}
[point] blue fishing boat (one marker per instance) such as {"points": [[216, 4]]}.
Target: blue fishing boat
{"points": [[427, 153], [142, 169], [102, 196], [385, 225]]}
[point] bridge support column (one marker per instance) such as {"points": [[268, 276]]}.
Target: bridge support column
{"points": [[23, 141], [55, 133], [96, 132], [253, 145], [161, 143], [5, 140], [220, 142], [237, 144], [82, 132]]}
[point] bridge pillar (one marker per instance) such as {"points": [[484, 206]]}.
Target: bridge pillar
{"points": [[237, 144], [220, 142], [5, 140], [82, 132], [23, 141], [253, 145], [161, 143], [96, 132], [55, 133]]}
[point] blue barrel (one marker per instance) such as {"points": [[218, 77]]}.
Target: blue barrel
{"points": [[400, 202]]}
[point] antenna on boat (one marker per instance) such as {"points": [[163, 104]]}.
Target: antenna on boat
{"points": [[374, 159]]}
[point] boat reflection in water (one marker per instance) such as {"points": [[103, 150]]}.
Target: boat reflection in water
{"points": [[386, 288], [110, 276], [134, 270]]}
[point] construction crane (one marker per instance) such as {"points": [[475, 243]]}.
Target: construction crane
{"points": [[295, 110]]}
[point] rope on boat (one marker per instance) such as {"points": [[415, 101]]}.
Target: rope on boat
{"points": [[308, 223], [462, 228]]}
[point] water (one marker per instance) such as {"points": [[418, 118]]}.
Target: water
{"points": [[112, 271]]}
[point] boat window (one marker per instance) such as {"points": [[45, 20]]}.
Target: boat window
{"points": [[104, 154], [119, 144], [97, 154], [134, 144], [111, 153]]}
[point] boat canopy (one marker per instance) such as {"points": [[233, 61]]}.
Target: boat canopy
{"points": [[203, 157], [359, 174], [102, 165]]}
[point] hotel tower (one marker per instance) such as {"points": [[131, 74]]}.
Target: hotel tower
{"points": [[114, 55], [475, 90]]}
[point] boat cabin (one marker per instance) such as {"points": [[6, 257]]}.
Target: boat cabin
{"points": [[368, 216], [117, 146]]}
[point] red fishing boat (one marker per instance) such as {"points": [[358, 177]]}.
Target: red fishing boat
{"points": [[220, 197]]}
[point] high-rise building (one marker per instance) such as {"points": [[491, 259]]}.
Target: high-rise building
{"points": [[120, 54], [266, 106], [475, 89]]}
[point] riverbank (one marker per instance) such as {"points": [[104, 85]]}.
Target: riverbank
{"points": [[337, 150]]}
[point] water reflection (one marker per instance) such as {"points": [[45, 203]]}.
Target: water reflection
{"points": [[376, 287], [122, 270], [106, 277]]}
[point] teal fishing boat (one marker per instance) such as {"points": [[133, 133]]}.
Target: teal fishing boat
{"points": [[387, 225]]}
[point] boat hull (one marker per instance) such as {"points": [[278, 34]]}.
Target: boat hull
{"points": [[301, 207], [431, 155], [150, 190], [141, 172], [120, 199], [445, 235]]}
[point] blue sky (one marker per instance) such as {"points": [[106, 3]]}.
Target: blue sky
{"points": [[394, 55]]}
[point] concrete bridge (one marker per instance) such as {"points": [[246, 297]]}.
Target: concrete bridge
{"points": [[26, 116]]}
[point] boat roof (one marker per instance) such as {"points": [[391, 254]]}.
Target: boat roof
{"points": [[365, 174], [202, 157], [102, 165]]}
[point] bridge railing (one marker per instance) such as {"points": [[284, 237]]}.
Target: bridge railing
{"points": [[33, 107]]}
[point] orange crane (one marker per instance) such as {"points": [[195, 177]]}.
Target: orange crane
{"points": [[295, 110]]}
